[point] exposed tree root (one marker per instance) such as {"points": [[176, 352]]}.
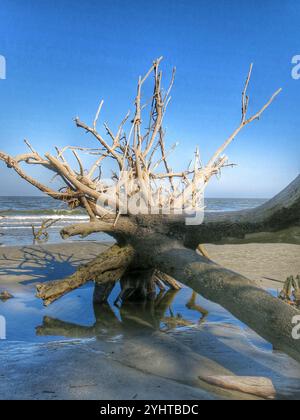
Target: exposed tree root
{"points": [[168, 280], [103, 290], [137, 285], [140, 285], [109, 267]]}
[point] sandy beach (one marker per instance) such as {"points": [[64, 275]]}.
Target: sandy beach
{"points": [[147, 365]]}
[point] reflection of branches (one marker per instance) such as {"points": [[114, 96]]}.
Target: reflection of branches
{"points": [[192, 304], [148, 315], [177, 320], [41, 234], [106, 323]]}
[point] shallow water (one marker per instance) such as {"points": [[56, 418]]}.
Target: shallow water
{"points": [[75, 317]]}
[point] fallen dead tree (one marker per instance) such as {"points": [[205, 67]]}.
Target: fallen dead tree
{"points": [[156, 245]]}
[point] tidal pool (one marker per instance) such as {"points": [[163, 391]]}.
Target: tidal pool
{"points": [[76, 317]]}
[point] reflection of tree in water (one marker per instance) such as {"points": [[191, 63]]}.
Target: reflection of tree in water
{"points": [[132, 317], [177, 320]]}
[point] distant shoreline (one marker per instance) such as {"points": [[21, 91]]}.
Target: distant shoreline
{"points": [[20, 213]]}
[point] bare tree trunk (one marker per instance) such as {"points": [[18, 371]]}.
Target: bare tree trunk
{"points": [[278, 220]]}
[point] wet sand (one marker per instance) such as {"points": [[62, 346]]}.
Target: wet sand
{"points": [[151, 365]]}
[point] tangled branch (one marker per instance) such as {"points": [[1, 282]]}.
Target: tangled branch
{"points": [[141, 158]]}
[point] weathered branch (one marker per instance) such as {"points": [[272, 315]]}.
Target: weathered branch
{"points": [[13, 164], [125, 225], [244, 122], [108, 266]]}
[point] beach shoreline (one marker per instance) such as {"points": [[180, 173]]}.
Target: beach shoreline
{"points": [[99, 369], [19, 214]]}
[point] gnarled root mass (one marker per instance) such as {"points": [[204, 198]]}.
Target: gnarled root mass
{"points": [[157, 246]]}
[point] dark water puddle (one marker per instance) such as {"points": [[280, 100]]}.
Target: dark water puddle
{"points": [[75, 316]]}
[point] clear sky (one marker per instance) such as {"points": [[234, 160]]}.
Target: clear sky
{"points": [[64, 56]]}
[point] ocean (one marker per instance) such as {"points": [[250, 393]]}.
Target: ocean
{"points": [[19, 214]]}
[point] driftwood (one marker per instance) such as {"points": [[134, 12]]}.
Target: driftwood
{"points": [[159, 241], [41, 234], [107, 268], [253, 385]]}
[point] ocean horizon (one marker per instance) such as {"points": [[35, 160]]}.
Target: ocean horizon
{"points": [[19, 213]]}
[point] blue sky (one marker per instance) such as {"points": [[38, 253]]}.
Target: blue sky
{"points": [[64, 56]]}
